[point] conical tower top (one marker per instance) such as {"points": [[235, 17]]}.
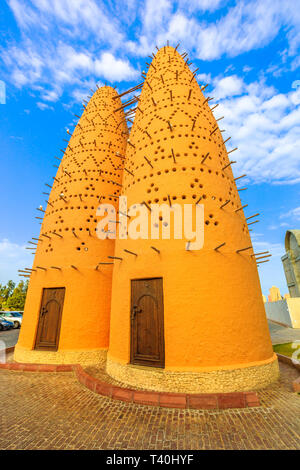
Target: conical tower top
{"points": [[176, 141]]}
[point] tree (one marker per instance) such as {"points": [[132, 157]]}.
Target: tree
{"points": [[5, 293], [16, 300], [7, 290]]}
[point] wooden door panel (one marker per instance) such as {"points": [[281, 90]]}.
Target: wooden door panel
{"points": [[49, 322], [147, 339], [147, 322], [48, 330]]}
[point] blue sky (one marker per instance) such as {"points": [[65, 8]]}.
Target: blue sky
{"points": [[53, 51]]}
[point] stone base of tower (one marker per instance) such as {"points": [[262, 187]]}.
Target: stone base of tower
{"points": [[83, 357], [236, 378]]}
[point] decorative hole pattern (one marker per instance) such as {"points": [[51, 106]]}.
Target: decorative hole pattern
{"points": [[183, 143], [90, 172]]}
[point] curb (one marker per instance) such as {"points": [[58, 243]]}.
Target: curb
{"points": [[203, 401], [168, 400], [288, 360], [29, 367], [38, 367], [279, 323], [296, 385]]}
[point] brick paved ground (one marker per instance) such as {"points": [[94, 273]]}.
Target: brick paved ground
{"points": [[53, 411]]}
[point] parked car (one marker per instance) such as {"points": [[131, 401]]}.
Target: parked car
{"points": [[18, 313], [5, 325], [14, 317]]}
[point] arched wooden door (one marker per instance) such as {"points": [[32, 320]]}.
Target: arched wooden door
{"points": [[47, 337], [147, 322]]}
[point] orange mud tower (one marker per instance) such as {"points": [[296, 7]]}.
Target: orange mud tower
{"points": [[185, 319], [66, 317]]}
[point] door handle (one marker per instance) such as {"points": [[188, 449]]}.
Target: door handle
{"points": [[44, 311], [135, 310]]}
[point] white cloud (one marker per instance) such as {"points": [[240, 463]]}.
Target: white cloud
{"points": [[114, 69], [76, 17], [293, 213], [204, 78], [48, 70], [24, 64], [24, 13], [75, 60], [202, 5], [180, 29], [80, 93], [229, 86], [276, 249], [50, 95], [64, 41], [248, 25], [43, 106], [278, 102], [276, 227], [155, 14], [264, 125], [13, 257]]}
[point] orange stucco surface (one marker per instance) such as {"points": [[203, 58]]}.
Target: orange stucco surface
{"points": [[213, 310], [89, 173], [214, 315]]}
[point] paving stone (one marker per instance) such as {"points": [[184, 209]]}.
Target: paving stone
{"points": [[54, 411]]}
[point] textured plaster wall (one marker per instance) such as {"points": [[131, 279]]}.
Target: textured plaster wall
{"points": [[285, 311], [294, 310], [213, 309], [278, 311], [89, 173]]}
